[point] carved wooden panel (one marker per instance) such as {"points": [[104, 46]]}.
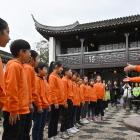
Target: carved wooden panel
{"points": [[102, 57], [70, 59], [134, 54], [105, 57]]}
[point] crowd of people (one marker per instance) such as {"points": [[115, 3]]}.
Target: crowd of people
{"points": [[33, 95]]}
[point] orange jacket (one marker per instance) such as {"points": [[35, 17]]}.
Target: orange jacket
{"points": [[86, 94], [82, 98], [92, 94], [56, 94], [65, 83], [2, 88], [41, 90], [99, 90], [17, 94], [30, 73], [137, 68], [70, 90], [76, 92]]}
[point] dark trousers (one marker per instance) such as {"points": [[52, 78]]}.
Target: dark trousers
{"points": [[13, 132], [70, 113], [74, 115], [105, 104], [78, 113], [84, 110], [100, 107], [92, 109], [53, 122], [39, 124], [64, 118], [28, 125]]}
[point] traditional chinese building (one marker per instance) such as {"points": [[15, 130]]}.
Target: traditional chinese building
{"points": [[103, 47]]}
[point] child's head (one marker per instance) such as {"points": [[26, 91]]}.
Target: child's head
{"points": [[4, 33], [85, 79], [80, 81], [78, 78], [136, 84], [34, 60], [41, 69], [91, 82], [98, 78], [67, 72], [57, 66], [74, 75], [21, 49]]}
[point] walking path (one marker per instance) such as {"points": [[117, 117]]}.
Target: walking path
{"points": [[112, 128]]}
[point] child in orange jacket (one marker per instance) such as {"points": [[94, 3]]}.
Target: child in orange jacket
{"points": [[16, 106], [41, 103], [84, 109], [100, 92], [76, 100], [79, 101], [92, 100], [56, 97], [66, 108], [4, 39], [30, 73]]}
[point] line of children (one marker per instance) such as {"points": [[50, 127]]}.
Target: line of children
{"points": [[30, 91]]}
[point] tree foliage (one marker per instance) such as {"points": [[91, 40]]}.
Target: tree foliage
{"points": [[42, 48]]}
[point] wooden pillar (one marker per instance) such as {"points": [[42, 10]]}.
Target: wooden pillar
{"points": [[82, 56], [127, 46]]}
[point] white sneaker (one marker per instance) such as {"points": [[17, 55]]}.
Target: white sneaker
{"points": [[85, 121], [74, 128], [69, 133], [64, 135], [78, 125], [72, 131], [82, 121]]}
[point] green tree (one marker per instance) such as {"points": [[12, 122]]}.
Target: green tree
{"points": [[42, 48]]}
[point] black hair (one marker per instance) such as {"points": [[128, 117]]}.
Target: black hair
{"points": [[53, 65], [3, 25], [18, 45], [34, 54], [41, 65], [65, 69]]}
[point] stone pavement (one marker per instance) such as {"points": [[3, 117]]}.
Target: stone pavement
{"points": [[110, 129], [133, 122]]}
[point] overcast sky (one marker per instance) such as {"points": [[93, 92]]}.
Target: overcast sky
{"points": [[59, 12]]}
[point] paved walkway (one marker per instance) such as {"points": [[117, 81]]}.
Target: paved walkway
{"points": [[110, 129], [133, 122]]}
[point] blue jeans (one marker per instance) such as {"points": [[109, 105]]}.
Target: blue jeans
{"points": [[39, 124]]}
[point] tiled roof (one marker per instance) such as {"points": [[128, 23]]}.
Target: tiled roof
{"points": [[87, 26]]}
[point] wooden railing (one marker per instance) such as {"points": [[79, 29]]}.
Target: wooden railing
{"points": [[102, 58]]}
